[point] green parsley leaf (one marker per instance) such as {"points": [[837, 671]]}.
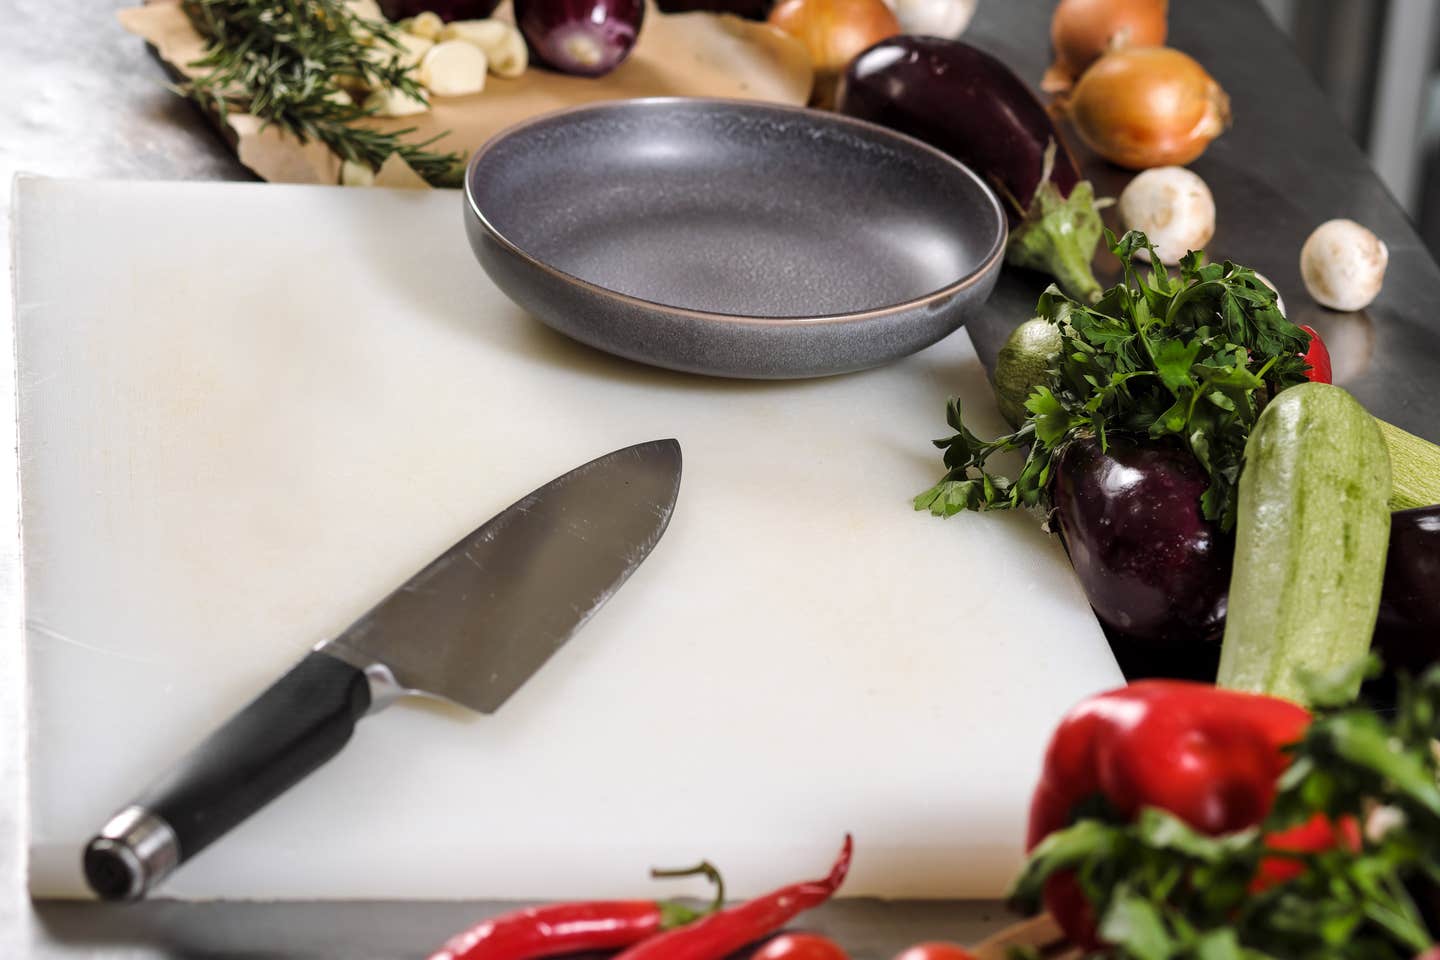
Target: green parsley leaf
{"points": [[1189, 360]]}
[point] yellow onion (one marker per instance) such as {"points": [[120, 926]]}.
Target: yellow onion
{"points": [[1145, 107], [834, 32], [1084, 30]]}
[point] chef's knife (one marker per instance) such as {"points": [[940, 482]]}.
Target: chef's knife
{"points": [[470, 628]]}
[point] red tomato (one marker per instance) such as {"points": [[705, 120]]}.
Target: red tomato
{"points": [[936, 951], [800, 946], [1317, 357]]}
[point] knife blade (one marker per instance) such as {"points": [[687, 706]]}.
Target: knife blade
{"points": [[471, 628]]}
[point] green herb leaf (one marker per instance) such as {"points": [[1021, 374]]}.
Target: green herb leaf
{"points": [[1133, 923], [287, 61], [1189, 361], [1163, 889]]}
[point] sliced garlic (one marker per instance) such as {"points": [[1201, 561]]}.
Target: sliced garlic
{"points": [[453, 68], [356, 174], [426, 24], [503, 46], [390, 102]]}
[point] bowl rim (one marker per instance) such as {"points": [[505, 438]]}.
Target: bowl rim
{"points": [[980, 271]]}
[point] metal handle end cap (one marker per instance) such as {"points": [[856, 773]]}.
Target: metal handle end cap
{"points": [[131, 854]]}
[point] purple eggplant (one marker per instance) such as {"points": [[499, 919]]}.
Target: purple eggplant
{"points": [[969, 104], [1153, 568], [445, 9], [587, 38], [1407, 632]]}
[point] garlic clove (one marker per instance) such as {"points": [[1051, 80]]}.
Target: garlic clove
{"points": [[365, 9], [510, 56], [426, 25], [453, 68], [1174, 208], [504, 47], [356, 174], [1343, 265], [482, 33], [411, 50], [389, 102]]}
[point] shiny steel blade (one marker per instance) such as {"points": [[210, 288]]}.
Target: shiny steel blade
{"points": [[477, 622]]}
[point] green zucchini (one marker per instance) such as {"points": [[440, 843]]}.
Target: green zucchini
{"points": [[1310, 542], [1415, 469]]}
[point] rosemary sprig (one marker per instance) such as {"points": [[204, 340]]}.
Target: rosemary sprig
{"points": [[287, 61]]}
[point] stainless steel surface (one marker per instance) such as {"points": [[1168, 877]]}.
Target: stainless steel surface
{"points": [[84, 99], [139, 846], [479, 620], [641, 228]]}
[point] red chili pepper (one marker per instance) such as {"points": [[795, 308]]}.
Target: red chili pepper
{"points": [[563, 928], [1317, 358], [721, 934], [1209, 756]]}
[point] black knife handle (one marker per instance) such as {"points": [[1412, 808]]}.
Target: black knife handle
{"points": [[288, 731]]}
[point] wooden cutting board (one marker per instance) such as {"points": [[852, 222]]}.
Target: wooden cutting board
{"points": [[248, 411]]}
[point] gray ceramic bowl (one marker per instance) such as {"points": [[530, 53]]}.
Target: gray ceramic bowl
{"points": [[732, 238]]}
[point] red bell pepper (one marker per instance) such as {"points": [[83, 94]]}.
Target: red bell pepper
{"points": [[1209, 756], [1317, 358]]}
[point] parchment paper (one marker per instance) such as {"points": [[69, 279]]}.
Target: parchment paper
{"points": [[685, 54]]}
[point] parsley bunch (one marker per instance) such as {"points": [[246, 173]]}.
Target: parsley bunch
{"points": [[1163, 891], [1189, 360]]}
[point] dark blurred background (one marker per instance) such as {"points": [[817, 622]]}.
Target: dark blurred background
{"points": [[1379, 61]]}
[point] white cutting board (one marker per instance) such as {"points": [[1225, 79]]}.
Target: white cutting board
{"points": [[249, 411]]}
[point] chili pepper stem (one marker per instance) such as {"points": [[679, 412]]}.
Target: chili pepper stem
{"points": [[704, 868]]}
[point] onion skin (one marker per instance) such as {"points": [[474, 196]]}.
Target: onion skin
{"points": [[1148, 107], [745, 9], [834, 32], [447, 10], [1084, 30], [584, 38]]}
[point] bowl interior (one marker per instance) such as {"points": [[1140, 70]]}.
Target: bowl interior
{"points": [[737, 209]]}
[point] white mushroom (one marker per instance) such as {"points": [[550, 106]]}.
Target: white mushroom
{"points": [[395, 103], [1175, 209], [453, 68], [502, 44], [1343, 265], [1279, 300], [933, 18]]}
